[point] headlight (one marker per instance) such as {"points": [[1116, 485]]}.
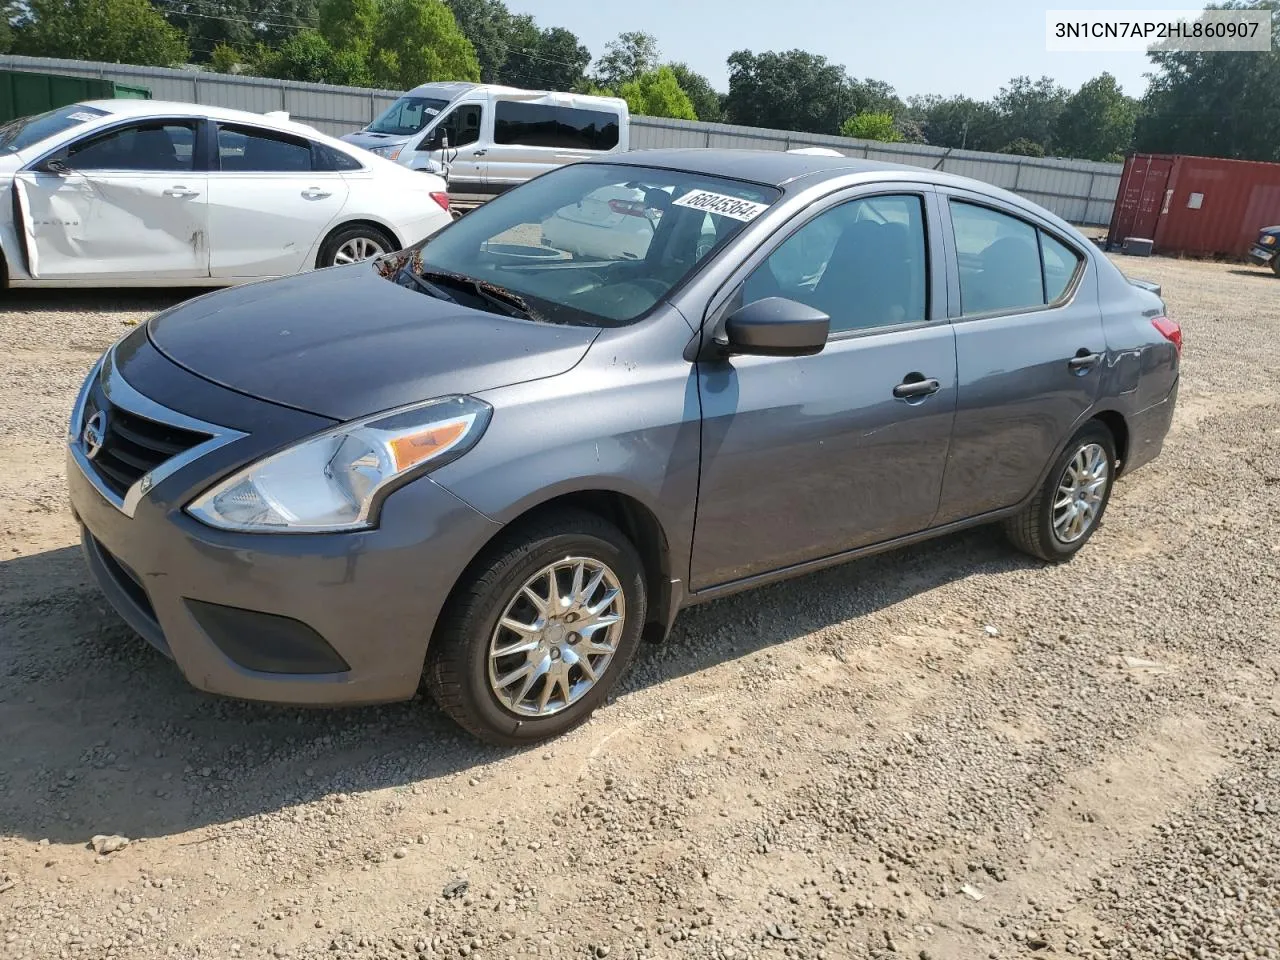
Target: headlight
{"points": [[336, 479], [1269, 239], [389, 152]]}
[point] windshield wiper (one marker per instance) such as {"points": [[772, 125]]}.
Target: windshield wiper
{"points": [[431, 289], [508, 300]]}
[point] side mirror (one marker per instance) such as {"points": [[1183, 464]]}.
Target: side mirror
{"points": [[776, 327], [55, 166]]}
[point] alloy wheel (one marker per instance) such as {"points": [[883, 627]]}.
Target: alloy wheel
{"points": [[357, 249], [1080, 494], [556, 637]]}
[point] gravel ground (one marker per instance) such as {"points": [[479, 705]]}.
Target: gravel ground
{"points": [[948, 752]]}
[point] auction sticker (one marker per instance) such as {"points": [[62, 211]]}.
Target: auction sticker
{"points": [[721, 204]]}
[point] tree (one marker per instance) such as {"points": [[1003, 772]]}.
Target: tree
{"points": [[349, 25], [225, 59], [1215, 104], [1023, 147], [874, 96], [1029, 110], [1097, 121], [705, 100], [871, 126], [657, 94], [559, 62], [960, 123], [307, 56], [119, 31], [6, 27], [490, 27], [794, 90], [418, 41], [626, 58]]}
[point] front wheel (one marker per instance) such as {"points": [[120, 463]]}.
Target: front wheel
{"points": [[549, 621], [1275, 264], [1066, 511]]}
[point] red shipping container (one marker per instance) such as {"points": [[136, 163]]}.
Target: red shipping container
{"points": [[1198, 205]]}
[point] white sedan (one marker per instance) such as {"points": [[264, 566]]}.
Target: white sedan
{"points": [[146, 193]]}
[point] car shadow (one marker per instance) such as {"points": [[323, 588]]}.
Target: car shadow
{"points": [[102, 734], [22, 300], [1260, 273]]}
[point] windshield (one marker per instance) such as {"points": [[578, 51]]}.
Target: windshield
{"points": [[407, 115], [587, 244], [26, 131]]}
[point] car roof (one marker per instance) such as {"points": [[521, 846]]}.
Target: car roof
{"points": [[125, 107], [798, 171]]}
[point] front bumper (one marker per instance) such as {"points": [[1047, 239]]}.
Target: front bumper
{"points": [[1261, 256], [301, 619]]}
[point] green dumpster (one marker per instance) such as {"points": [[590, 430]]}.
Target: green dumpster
{"points": [[23, 93]]}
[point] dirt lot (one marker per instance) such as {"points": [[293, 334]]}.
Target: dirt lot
{"points": [[820, 769]]}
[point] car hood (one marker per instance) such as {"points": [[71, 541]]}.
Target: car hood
{"points": [[1274, 231], [344, 342], [367, 139]]}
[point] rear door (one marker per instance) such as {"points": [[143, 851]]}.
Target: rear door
{"points": [[272, 196], [1029, 351], [131, 203]]}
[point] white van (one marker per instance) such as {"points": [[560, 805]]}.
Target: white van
{"points": [[486, 138]]}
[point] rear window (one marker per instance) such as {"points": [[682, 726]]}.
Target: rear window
{"points": [[548, 125], [27, 131]]}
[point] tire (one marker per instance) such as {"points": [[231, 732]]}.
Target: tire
{"points": [[350, 239], [465, 680], [1275, 264], [1033, 530]]}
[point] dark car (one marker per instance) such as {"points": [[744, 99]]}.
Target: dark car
{"points": [[501, 466], [1263, 251]]}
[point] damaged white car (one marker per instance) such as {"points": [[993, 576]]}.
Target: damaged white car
{"points": [[146, 193]]}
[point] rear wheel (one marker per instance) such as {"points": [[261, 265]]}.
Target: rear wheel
{"points": [[1069, 506], [550, 619], [1275, 264], [354, 243]]}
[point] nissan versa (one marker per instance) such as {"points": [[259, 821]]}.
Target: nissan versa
{"points": [[497, 465]]}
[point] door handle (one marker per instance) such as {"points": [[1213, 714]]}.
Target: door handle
{"points": [[915, 387], [181, 193], [315, 193], [1083, 360], [479, 153]]}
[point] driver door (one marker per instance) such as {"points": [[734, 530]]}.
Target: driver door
{"points": [[808, 457], [463, 125], [130, 203]]}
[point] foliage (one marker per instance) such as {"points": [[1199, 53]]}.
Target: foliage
{"points": [[1214, 104], [418, 41], [1097, 121], [225, 59], [1029, 110], [307, 56], [871, 126], [625, 59], [959, 122], [706, 101], [119, 31], [794, 90], [552, 59], [1024, 147], [348, 25], [657, 94]]}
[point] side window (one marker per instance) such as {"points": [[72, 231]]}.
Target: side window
{"points": [[154, 146], [863, 263], [1060, 265], [588, 129], [329, 158], [254, 150], [462, 125], [527, 124]]}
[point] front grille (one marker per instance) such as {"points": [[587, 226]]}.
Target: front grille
{"points": [[133, 446]]}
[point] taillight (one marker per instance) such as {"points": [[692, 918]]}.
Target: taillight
{"points": [[441, 198], [628, 208], [1170, 330]]}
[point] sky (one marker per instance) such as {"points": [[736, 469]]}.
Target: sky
{"points": [[947, 47]]}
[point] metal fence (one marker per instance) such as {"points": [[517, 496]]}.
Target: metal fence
{"points": [[1081, 191]]}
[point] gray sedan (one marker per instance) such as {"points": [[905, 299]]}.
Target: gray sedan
{"points": [[487, 463]]}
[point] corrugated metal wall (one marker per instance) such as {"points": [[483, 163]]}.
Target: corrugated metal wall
{"points": [[1081, 191]]}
